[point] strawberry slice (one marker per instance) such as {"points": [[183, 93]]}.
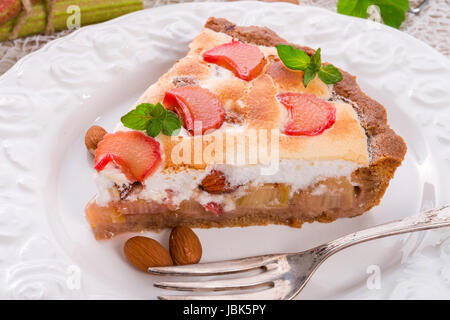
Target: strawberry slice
{"points": [[244, 60], [136, 154], [308, 115], [195, 104]]}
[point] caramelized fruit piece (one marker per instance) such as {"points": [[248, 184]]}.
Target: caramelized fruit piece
{"points": [[244, 60], [137, 207], [97, 215], [326, 195], [308, 115], [194, 104], [136, 154], [267, 195]]}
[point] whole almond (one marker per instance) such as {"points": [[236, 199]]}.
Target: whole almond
{"points": [[216, 183], [143, 252], [185, 247], [93, 136]]}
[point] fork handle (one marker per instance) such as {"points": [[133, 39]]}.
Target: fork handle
{"points": [[431, 219]]}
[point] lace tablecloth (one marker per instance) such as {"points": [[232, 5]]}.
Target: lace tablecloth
{"points": [[432, 26]]}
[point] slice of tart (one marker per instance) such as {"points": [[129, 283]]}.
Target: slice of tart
{"points": [[256, 146]]}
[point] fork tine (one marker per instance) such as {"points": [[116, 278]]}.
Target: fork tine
{"points": [[265, 278], [271, 293], [215, 268]]}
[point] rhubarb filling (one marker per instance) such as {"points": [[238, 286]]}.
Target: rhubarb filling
{"points": [[252, 204]]}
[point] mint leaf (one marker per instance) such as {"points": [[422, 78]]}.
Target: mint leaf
{"points": [[330, 74], [171, 124], [316, 59], [138, 118], [293, 58], [159, 111], [152, 119], [309, 74], [154, 127], [392, 11], [313, 68]]}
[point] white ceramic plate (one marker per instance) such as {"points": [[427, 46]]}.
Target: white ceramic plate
{"points": [[50, 98]]}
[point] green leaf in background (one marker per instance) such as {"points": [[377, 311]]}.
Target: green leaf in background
{"points": [[293, 58], [330, 74], [392, 11], [356, 8]]}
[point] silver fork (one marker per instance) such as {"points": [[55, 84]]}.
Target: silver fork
{"points": [[283, 276]]}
